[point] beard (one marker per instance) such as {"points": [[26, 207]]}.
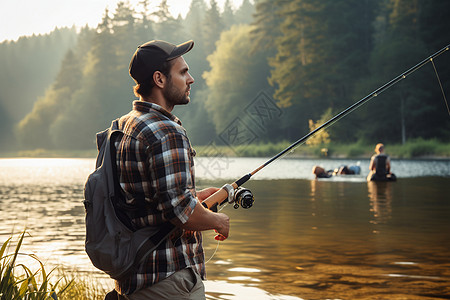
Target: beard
{"points": [[175, 96]]}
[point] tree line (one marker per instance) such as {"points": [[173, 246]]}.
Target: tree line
{"points": [[266, 71]]}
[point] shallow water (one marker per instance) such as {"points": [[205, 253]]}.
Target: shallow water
{"points": [[303, 238]]}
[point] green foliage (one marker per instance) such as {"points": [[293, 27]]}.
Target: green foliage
{"points": [[266, 27], [19, 282], [355, 152], [244, 13], [194, 24], [27, 68], [402, 110], [262, 149], [320, 53], [58, 90], [420, 148], [235, 78], [254, 150], [322, 137], [28, 285], [81, 287], [212, 27], [93, 86]]}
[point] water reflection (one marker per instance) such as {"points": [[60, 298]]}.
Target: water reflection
{"points": [[302, 239], [222, 290], [380, 195]]}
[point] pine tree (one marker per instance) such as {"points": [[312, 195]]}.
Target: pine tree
{"points": [[244, 14], [213, 26], [228, 15], [123, 25], [195, 31], [434, 26], [97, 102], [397, 113], [319, 55], [33, 130], [27, 69], [267, 22], [167, 27], [236, 77], [144, 26]]}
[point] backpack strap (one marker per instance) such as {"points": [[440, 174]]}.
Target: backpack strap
{"points": [[119, 207], [153, 240]]}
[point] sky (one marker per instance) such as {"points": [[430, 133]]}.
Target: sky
{"points": [[25, 17]]}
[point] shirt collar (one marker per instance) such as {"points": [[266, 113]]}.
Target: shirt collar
{"points": [[144, 106]]}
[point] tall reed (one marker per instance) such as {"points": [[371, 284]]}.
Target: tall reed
{"points": [[17, 281]]}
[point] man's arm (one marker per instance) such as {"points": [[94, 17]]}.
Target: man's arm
{"points": [[171, 170], [372, 166], [204, 219], [205, 193]]}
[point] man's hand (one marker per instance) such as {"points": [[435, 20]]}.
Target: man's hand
{"points": [[222, 220]]}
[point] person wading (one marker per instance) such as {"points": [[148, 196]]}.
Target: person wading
{"points": [[380, 166]]}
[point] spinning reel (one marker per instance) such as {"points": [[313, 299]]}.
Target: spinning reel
{"points": [[243, 197], [239, 196]]}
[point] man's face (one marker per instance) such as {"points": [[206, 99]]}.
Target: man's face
{"points": [[178, 86]]}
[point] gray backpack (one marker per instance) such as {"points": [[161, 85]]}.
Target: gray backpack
{"points": [[112, 244]]}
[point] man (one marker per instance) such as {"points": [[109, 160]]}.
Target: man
{"points": [[156, 171]]}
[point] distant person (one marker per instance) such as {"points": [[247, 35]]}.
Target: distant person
{"points": [[356, 169], [320, 172], [347, 170], [380, 166]]}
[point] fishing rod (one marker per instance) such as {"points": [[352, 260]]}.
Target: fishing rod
{"points": [[245, 198]]}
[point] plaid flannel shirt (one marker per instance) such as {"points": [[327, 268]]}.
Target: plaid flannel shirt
{"points": [[156, 171]]}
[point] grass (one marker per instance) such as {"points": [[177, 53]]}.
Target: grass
{"points": [[19, 282], [81, 288], [422, 148]]}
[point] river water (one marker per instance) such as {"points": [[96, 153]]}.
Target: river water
{"points": [[338, 238]]}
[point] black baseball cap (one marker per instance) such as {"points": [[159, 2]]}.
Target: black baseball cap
{"points": [[149, 57]]}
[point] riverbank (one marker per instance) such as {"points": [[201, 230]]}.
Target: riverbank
{"points": [[415, 149]]}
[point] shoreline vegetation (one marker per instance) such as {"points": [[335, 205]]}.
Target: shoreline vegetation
{"points": [[414, 149], [19, 281]]}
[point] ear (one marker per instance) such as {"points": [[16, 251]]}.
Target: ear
{"points": [[159, 79]]}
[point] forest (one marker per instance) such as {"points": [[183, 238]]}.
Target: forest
{"points": [[267, 71]]}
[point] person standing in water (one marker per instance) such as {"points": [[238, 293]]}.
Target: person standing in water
{"points": [[380, 166]]}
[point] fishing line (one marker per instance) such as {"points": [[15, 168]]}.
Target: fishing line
{"points": [[342, 114], [218, 242], [221, 196], [217, 247], [440, 84], [214, 253]]}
